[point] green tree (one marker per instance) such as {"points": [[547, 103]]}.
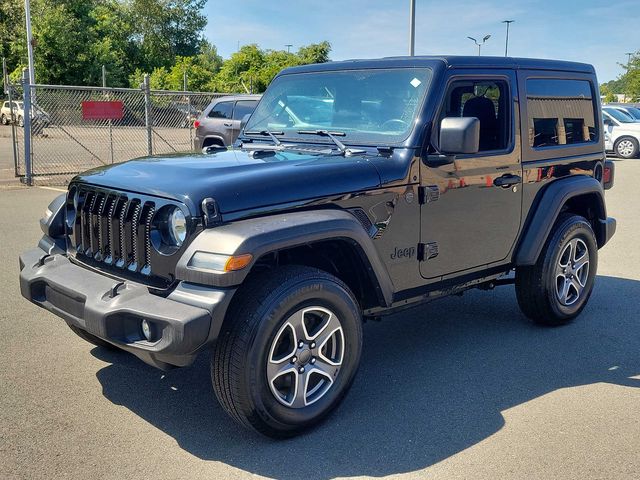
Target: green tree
{"points": [[12, 30], [315, 53], [165, 30], [628, 83], [252, 69]]}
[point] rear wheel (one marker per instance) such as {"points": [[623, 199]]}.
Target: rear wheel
{"points": [[91, 338], [288, 351], [4, 119], [556, 289], [20, 121], [627, 147]]}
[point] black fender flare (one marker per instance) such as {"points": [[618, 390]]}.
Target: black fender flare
{"points": [[263, 235], [546, 209]]}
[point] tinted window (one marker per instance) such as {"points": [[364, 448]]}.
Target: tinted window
{"points": [[243, 107], [560, 112], [221, 110], [487, 101]]}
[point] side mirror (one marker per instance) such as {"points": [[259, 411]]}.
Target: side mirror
{"points": [[608, 122], [459, 135], [244, 121]]}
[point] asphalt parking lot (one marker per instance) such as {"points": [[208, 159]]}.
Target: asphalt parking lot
{"points": [[462, 388]]}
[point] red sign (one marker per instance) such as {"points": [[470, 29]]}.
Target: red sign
{"points": [[102, 110]]}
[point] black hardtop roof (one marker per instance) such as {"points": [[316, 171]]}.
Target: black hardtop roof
{"points": [[449, 62]]}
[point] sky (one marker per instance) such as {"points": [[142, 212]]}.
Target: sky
{"points": [[596, 32]]}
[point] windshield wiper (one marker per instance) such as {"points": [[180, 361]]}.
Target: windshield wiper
{"points": [[265, 132], [346, 151]]}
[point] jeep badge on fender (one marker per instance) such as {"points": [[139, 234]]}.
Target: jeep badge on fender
{"points": [[271, 253]]}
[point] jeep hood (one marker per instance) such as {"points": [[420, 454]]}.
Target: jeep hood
{"points": [[236, 180]]}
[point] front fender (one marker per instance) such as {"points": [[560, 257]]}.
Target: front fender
{"points": [[260, 236]]}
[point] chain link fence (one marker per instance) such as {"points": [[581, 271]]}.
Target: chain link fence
{"points": [[73, 129]]}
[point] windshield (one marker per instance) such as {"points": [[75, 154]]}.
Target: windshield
{"points": [[632, 112], [367, 106], [619, 116]]}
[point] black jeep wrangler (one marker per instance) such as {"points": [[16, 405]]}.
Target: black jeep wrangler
{"points": [[356, 189]]}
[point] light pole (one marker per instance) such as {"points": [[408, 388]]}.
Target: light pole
{"points": [[412, 28], [289, 45], [484, 39], [628, 54], [506, 42], [27, 14]]}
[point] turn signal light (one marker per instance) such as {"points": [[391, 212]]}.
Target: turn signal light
{"points": [[237, 262], [219, 263]]}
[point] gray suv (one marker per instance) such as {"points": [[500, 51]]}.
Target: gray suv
{"points": [[219, 123]]}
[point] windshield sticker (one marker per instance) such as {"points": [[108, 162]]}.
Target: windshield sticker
{"points": [[415, 82]]}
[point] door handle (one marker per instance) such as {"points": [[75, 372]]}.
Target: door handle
{"points": [[505, 181], [228, 124]]}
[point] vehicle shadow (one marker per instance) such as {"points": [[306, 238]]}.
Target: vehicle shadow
{"points": [[433, 382]]}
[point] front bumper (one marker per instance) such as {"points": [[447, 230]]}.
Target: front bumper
{"points": [[184, 322]]}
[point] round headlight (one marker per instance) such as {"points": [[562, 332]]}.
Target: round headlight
{"points": [[177, 226]]}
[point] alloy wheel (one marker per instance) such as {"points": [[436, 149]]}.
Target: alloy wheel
{"points": [[305, 357], [572, 272]]}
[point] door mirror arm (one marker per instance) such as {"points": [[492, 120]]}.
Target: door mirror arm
{"points": [[438, 159]]}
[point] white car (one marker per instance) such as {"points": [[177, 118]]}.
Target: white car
{"points": [[622, 133], [8, 116]]}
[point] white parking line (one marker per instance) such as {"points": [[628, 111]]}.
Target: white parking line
{"points": [[54, 189]]}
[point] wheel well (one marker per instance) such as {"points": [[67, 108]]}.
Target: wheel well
{"points": [[589, 206], [625, 137], [212, 141], [340, 258]]}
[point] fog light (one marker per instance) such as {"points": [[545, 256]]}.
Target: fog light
{"points": [[146, 330]]}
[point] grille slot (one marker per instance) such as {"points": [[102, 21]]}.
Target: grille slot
{"points": [[115, 230]]}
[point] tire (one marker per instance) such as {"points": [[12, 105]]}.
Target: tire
{"points": [[627, 147], [20, 121], [552, 292], [4, 120], [257, 339], [98, 342]]}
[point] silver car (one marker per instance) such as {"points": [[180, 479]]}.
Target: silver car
{"points": [[219, 123]]}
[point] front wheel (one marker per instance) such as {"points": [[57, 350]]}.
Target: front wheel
{"points": [[4, 120], [288, 351], [556, 289], [20, 121]]}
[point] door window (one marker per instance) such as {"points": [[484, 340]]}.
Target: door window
{"points": [[221, 110], [487, 100], [243, 107]]}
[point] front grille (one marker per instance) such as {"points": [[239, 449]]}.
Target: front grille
{"points": [[113, 231]]}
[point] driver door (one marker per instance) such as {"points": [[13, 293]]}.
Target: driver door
{"points": [[471, 208]]}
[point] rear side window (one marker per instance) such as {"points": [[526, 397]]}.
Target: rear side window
{"points": [[560, 112], [221, 110], [243, 107]]}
